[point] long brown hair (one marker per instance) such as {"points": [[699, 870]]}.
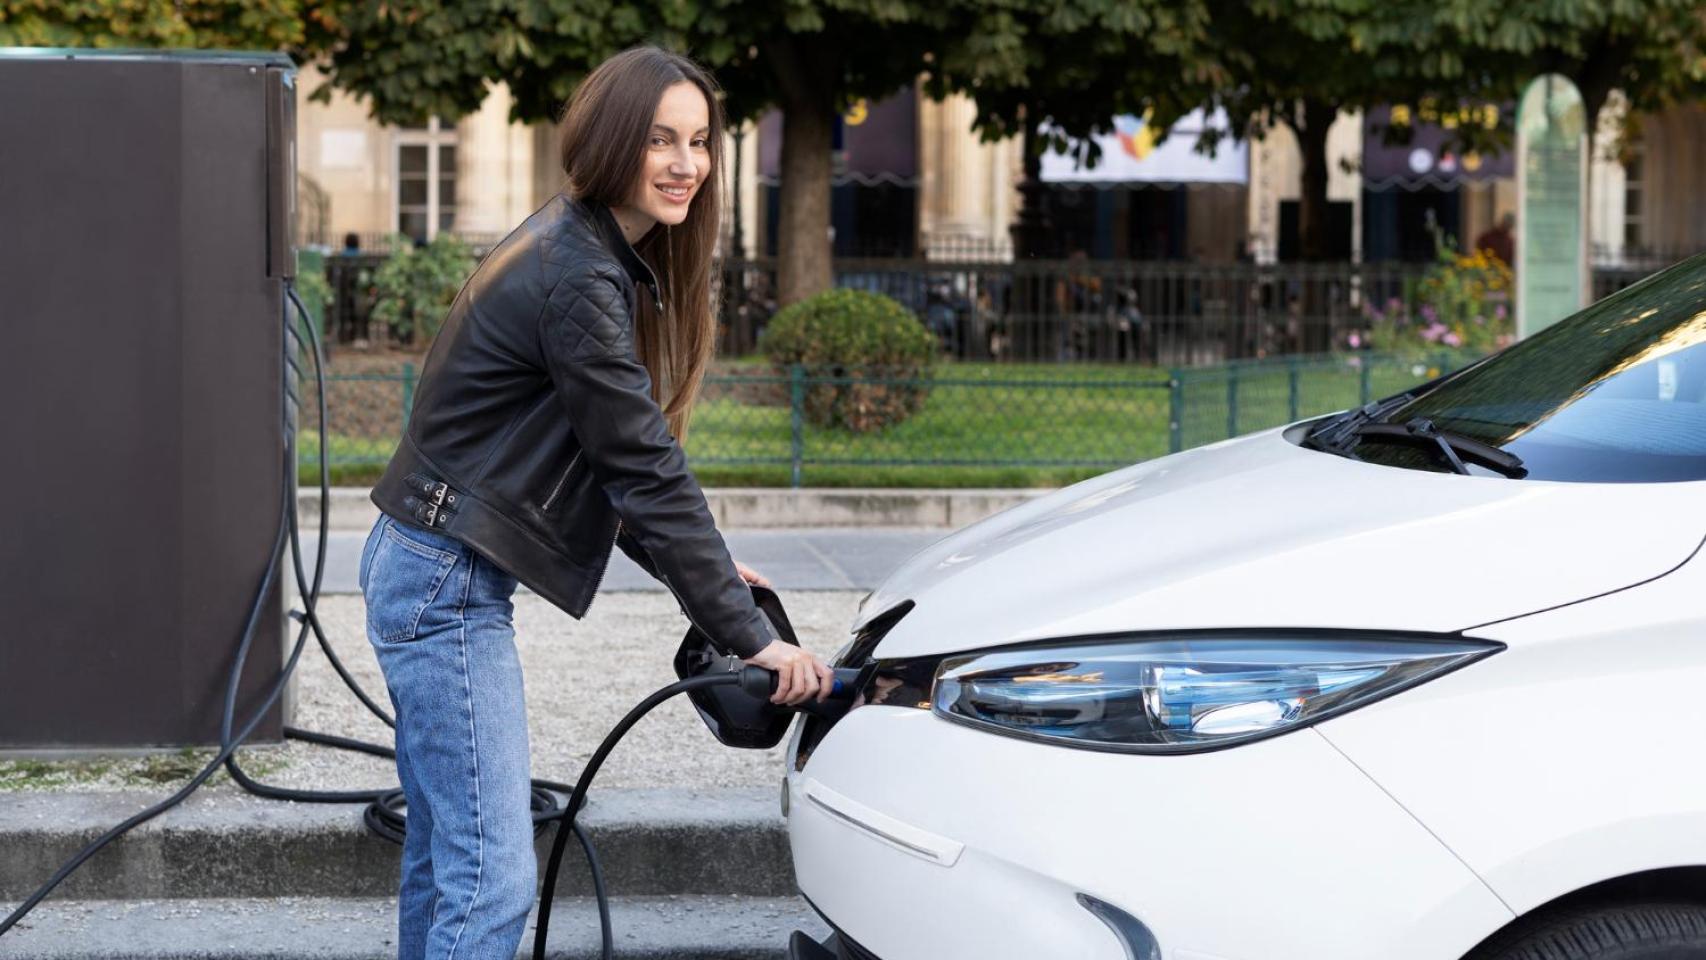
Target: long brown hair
{"points": [[604, 130]]}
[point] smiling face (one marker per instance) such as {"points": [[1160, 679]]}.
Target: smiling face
{"points": [[677, 157]]}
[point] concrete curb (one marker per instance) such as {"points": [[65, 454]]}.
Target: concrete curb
{"points": [[752, 508], [662, 842], [285, 928]]}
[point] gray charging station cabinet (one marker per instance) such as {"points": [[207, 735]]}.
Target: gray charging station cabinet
{"points": [[146, 227]]}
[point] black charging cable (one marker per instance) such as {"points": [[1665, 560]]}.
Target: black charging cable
{"points": [[756, 681], [384, 815]]}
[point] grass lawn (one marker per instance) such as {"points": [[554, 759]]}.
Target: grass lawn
{"points": [[983, 425]]}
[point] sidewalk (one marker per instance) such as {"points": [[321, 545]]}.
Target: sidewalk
{"points": [[691, 831], [759, 508], [840, 540], [805, 559]]}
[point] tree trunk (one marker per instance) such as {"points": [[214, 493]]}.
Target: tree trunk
{"points": [[1317, 116], [1030, 230], [1313, 332], [1595, 80], [806, 72], [1031, 321]]}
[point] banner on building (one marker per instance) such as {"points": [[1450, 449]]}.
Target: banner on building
{"points": [[1131, 155]]}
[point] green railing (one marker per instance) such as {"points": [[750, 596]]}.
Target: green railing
{"points": [[980, 424], [1215, 403]]}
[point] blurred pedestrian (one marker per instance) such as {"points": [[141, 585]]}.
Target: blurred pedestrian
{"points": [[1500, 240]]}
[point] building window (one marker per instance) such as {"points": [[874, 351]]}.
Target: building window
{"points": [[1634, 184], [426, 179]]}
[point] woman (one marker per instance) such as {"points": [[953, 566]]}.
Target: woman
{"points": [[545, 431]]}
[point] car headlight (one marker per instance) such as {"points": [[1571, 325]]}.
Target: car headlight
{"points": [[1180, 693]]}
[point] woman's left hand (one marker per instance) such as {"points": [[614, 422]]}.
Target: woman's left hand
{"points": [[750, 575]]}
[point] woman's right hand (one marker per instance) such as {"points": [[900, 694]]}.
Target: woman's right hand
{"points": [[799, 673]]}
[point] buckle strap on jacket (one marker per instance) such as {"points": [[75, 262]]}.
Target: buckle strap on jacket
{"points": [[434, 505]]}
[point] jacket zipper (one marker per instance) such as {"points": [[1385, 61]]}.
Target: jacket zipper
{"points": [[558, 489], [561, 481], [601, 570]]}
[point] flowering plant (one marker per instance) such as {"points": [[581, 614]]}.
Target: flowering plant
{"points": [[1460, 303]]}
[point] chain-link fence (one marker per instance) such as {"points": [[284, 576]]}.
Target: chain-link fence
{"points": [[1214, 403], [959, 425]]}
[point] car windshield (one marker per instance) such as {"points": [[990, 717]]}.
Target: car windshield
{"points": [[1613, 394]]}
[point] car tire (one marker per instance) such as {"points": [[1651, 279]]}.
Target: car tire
{"points": [[1660, 931]]}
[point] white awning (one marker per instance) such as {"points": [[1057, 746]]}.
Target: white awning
{"points": [[1131, 155]]}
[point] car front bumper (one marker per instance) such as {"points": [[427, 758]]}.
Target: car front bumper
{"points": [[921, 838]]}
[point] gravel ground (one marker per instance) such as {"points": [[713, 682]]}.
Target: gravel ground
{"points": [[581, 677]]}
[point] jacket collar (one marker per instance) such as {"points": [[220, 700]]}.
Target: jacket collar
{"points": [[611, 233]]}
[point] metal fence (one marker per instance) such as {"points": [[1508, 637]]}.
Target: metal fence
{"points": [[1130, 312], [1140, 313], [1615, 269], [976, 424], [1162, 313]]}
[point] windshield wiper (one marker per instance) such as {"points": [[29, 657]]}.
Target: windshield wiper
{"points": [[1338, 435], [1455, 446]]}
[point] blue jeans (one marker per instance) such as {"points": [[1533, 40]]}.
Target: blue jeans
{"points": [[440, 619]]}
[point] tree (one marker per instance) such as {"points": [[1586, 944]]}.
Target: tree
{"points": [[812, 58], [1300, 63], [1653, 51], [1297, 64], [222, 24]]}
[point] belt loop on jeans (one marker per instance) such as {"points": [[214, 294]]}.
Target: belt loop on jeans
{"points": [[436, 500]]}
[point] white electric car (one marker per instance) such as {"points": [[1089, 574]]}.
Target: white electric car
{"points": [[1424, 680]]}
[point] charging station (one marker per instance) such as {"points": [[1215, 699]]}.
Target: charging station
{"points": [[147, 211]]}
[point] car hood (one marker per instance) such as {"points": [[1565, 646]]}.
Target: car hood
{"points": [[1259, 532]]}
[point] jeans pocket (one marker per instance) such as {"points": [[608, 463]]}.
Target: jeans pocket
{"points": [[373, 538], [404, 577]]}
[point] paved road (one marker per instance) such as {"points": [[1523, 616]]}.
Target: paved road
{"points": [[807, 559]]}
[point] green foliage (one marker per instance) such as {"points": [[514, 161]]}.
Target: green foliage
{"points": [[1652, 50], [1076, 62], [204, 24], [431, 57], [415, 285], [422, 58], [876, 344]]}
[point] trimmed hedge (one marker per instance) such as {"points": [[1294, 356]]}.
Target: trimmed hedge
{"points": [[879, 346]]}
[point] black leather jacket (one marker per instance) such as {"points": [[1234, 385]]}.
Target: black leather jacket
{"points": [[534, 439]]}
